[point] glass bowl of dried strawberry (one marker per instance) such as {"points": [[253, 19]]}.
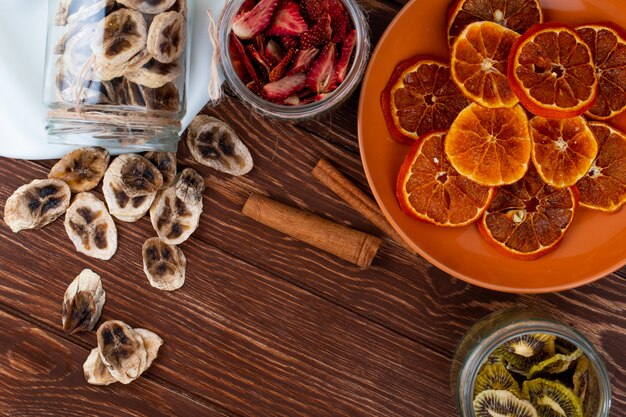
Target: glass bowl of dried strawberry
{"points": [[293, 59]]}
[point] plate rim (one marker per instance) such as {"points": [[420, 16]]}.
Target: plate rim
{"points": [[464, 277]]}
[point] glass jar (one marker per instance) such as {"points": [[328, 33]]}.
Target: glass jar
{"points": [[115, 73], [497, 328], [304, 111]]}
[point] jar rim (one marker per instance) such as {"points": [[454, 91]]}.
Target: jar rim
{"points": [[479, 353], [266, 107]]}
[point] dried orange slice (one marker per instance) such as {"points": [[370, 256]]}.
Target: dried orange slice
{"points": [[420, 97], [528, 219], [607, 42], [562, 149], [552, 71], [490, 146], [430, 189], [517, 15], [604, 186], [479, 64]]}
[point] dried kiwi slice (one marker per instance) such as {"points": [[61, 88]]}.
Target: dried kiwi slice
{"points": [[552, 399], [581, 378], [556, 364], [564, 346], [496, 377], [492, 403], [522, 352]]}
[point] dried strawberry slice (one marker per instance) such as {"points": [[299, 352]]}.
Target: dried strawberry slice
{"points": [[303, 60], [259, 59], [254, 87], [289, 42], [318, 35], [292, 101], [249, 24], [238, 46], [259, 42], [283, 88], [315, 9], [287, 21], [323, 70], [238, 61], [279, 70], [346, 54], [339, 21], [246, 6], [274, 53]]}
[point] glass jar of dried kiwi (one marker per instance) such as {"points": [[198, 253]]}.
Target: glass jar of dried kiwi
{"points": [[115, 72], [525, 363]]}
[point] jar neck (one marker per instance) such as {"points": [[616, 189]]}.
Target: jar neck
{"points": [[496, 329]]}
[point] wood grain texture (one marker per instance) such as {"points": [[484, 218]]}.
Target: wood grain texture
{"points": [[42, 375], [234, 335]]}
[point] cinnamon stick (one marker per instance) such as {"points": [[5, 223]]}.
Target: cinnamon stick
{"points": [[328, 175], [349, 244]]}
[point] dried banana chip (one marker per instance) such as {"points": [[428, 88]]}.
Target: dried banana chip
{"points": [[122, 351], [123, 35], [181, 7], [167, 37], [165, 163], [90, 227], [175, 213], [82, 303], [82, 169], [148, 6], [152, 343], [155, 74], [130, 185], [96, 373], [215, 144], [163, 264], [106, 72], [37, 204], [164, 98]]}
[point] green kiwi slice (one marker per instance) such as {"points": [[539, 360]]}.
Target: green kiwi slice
{"points": [[522, 352], [492, 403], [556, 364], [564, 346], [581, 378], [496, 377], [552, 399]]}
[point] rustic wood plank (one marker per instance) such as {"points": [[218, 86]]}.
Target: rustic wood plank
{"points": [[234, 335], [42, 375]]}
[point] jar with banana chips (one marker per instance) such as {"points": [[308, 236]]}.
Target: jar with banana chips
{"points": [[115, 73]]}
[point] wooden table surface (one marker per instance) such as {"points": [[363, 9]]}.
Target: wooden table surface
{"points": [[264, 325]]}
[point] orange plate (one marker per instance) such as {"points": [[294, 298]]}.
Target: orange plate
{"points": [[592, 248]]}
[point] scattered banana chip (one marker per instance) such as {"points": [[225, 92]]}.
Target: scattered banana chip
{"points": [[130, 185], [215, 144], [163, 264], [122, 355], [165, 163], [37, 204], [175, 214], [167, 37], [123, 35], [82, 169], [96, 373], [148, 6], [82, 303], [122, 351], [90, 227], [155, 74]]}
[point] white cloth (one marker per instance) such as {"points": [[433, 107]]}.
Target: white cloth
{"points": [[22, 54]]}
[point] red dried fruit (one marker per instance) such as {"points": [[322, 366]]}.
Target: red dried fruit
{"points": [[283, 88], [254, 87], [259, 42], [292, 101], [289, 42], [315, 9], [274, 53], [238, 46], [318, 35], [339, 21], [259, 59], [323, 70], [303, 60], [279, 70], [246, 6], [287, 21], [346, 53], [249, 24], [238, 62]]}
